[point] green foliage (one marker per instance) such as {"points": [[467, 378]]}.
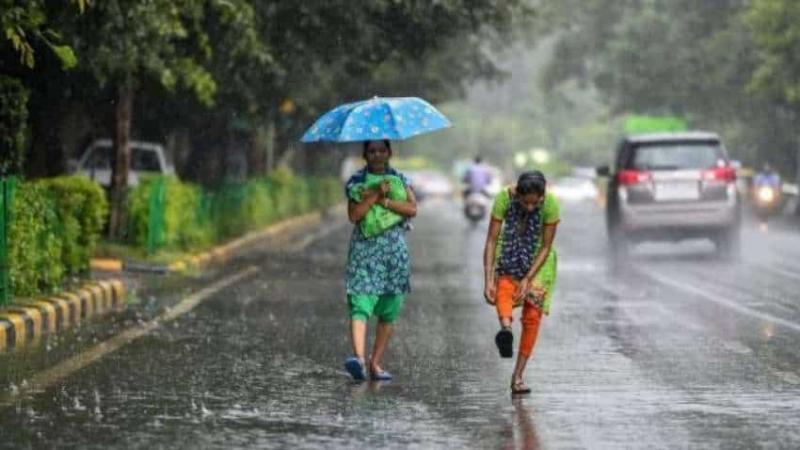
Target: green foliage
{"points": [[13, 124], [699, 60], [55, 226], [193, 219], [183, 225], [776, 27], [21, 21], [81, 209], [34, 243]]}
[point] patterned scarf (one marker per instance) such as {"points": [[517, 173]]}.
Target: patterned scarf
{"points": [[520, 239]]}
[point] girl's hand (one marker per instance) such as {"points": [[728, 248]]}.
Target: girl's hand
{"points": [[384, 188], [538, 292], [522, 290], [490, 293]]}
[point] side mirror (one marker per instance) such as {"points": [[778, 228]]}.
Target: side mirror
{"points": [[603, 171], [72, 166]]}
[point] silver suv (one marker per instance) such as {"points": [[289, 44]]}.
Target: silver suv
{"points": [[672, 186]]}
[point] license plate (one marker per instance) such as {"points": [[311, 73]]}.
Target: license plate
{"points": [[677, 191]]}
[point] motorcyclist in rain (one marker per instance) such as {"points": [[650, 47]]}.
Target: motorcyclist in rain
{"points": [[767, 177], [766, 194], [477, 177]]}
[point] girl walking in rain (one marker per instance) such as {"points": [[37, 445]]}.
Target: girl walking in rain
{"points": [[520, 264], [380, 200]]}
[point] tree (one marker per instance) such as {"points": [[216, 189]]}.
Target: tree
{"points": [[159, 41]]}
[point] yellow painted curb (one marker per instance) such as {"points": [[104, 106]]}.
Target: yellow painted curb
{"points": [[28, 321], [110, 265]]}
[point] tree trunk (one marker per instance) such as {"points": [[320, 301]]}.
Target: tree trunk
{"points": [[121, 163]]}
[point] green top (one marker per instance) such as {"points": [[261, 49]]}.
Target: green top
{"points": [[550, 215]]}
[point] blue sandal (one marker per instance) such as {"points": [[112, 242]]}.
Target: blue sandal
{"points": [[355, 368], [381, 375]]}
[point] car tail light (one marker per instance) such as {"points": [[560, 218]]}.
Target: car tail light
{"points": [[727, 174], [629, 177]]}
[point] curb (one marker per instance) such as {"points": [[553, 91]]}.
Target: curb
{"points": [[26, 321], [218, 254]]}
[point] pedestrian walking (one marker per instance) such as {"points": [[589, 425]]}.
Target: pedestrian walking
{"points": [[380, 202], [520, 264]]}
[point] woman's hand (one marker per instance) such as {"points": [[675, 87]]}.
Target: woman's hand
{"points": [[522, 290], [384, 188], [539, 292], [490, 293]]}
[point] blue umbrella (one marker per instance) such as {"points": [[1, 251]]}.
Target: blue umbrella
{"points": [[393, 118]]}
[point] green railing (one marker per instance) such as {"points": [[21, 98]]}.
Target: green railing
{"points": [[7, 186], [155, 223]]}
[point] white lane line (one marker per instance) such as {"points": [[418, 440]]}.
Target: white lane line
{"points": [[779, 271], [47, 378], [720, 300]]}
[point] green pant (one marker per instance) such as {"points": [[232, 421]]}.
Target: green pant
{"points": [[386, 307]]}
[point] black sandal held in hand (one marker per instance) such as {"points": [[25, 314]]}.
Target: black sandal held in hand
{"points": [[505, 343]]}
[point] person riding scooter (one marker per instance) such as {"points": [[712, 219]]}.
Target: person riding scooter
{"points": [[766, 194], [477, 178]]}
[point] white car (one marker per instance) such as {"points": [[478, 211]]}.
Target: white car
{"points": [[574, 189], [146, 157]]}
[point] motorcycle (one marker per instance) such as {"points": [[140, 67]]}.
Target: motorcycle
{"points": [[476, 206], [766, 202]]}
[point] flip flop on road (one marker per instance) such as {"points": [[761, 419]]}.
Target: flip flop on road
{"points": [[381, 375], [355, 368], [505, 343]]}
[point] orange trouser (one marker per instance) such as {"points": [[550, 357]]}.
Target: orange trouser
{"points": [[531, 315]]}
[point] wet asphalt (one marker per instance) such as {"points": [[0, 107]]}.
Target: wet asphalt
{"points": [[673, 349]]}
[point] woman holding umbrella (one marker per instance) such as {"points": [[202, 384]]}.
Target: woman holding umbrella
{"points": [[380, 202], [378, 267], [520, 264]]}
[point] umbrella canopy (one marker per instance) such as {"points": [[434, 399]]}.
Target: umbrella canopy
{"points": [[393, 118]]}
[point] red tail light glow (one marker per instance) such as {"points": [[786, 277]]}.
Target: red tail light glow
{"points": [[629, 177], [727, 174]]}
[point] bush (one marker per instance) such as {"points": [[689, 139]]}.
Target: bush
{"points": [[34, 245], [182, 221], [192, 219], [81, 207]]}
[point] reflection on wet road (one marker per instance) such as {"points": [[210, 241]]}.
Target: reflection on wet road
{"points": [[673, 349]]}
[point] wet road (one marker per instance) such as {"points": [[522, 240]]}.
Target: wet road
{"points": [[675, 349]]}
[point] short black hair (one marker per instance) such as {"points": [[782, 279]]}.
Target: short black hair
{"points": [[366, 145], [531, 182]]}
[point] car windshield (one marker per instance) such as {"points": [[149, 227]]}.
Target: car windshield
{"points": [[676, 156], [142, 160]]}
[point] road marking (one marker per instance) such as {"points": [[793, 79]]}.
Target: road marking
{"points": [[720, 300], [779, 271], [307, 240], [48, 377]]}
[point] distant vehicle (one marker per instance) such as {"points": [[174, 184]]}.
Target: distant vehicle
{"points": [[476, 206], [574, 189], [673, 186], [430, 183], [146, 157]]}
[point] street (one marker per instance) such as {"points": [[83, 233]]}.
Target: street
{"points": [[673, 349]]}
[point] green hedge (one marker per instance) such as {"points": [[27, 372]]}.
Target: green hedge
{"points": [[55, 226], [194, 219]]}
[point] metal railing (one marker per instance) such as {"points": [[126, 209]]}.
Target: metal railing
{"points": [[7, 186]]}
